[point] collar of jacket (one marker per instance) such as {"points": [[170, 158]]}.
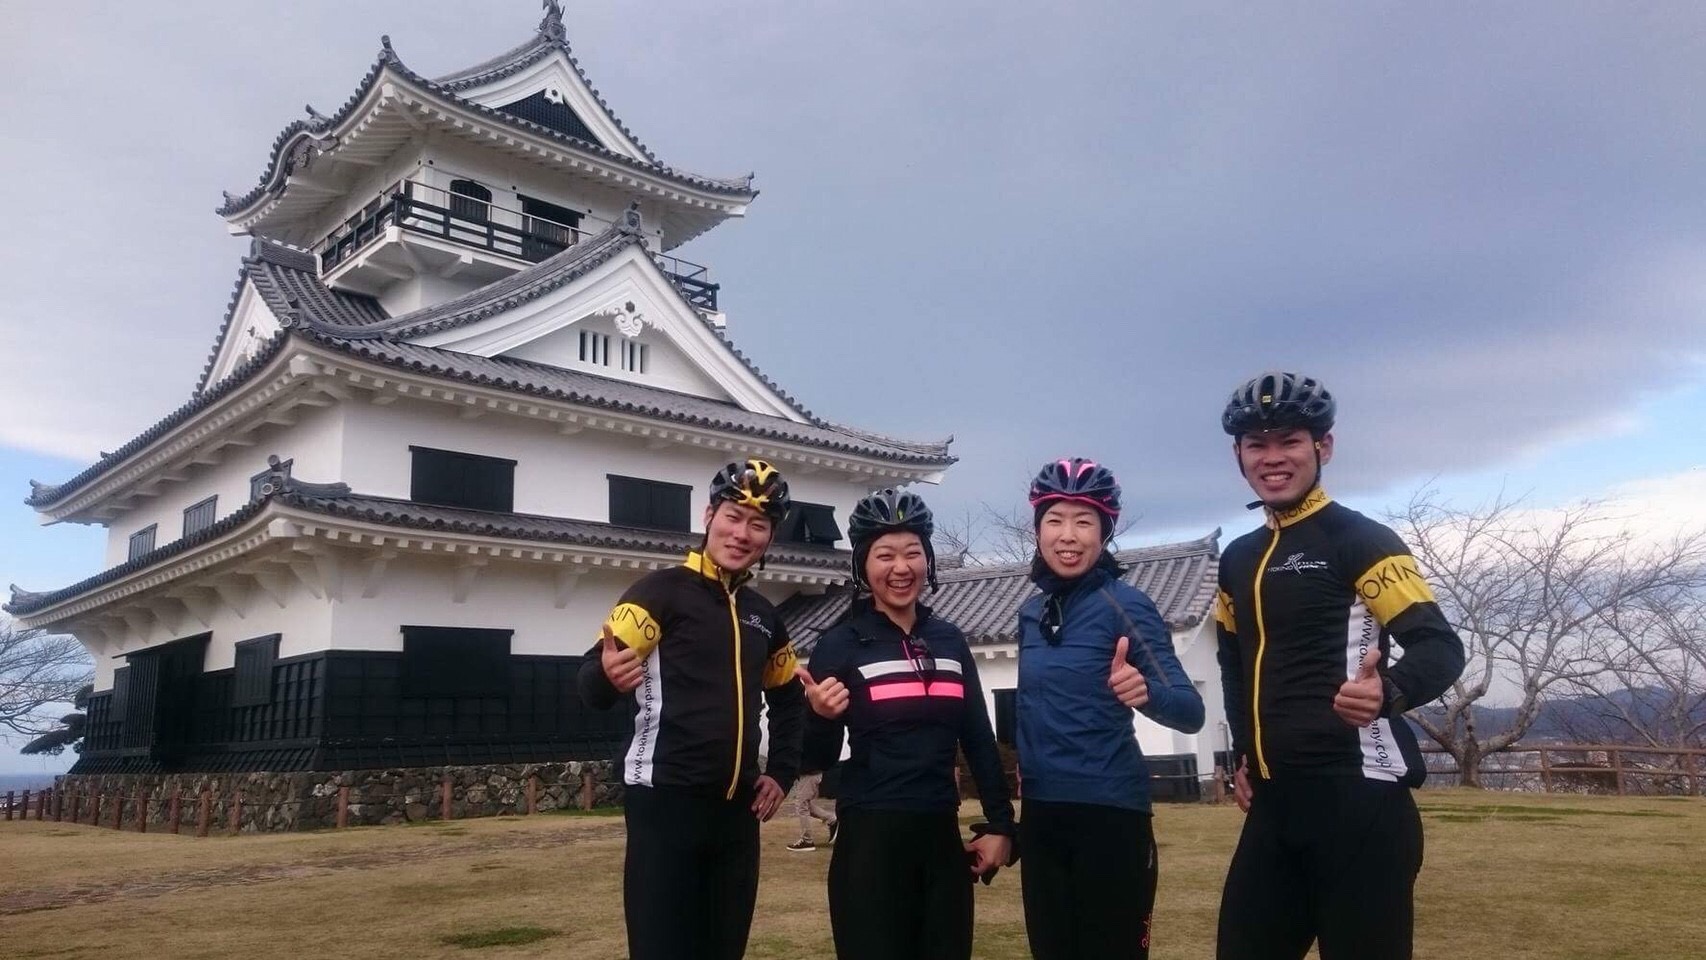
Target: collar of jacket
{"points": [[707, 568], [1313, 502], [869, 621], [1049, 582]]}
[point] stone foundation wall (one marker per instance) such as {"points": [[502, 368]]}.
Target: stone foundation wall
{"points": [[309, 800]]}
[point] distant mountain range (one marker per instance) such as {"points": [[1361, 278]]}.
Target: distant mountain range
{"points": [[1569, 718]]}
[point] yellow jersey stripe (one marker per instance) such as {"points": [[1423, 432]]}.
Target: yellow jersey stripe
{"points": [[1393, 585]]}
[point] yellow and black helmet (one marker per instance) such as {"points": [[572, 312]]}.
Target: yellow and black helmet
{"points": [[752, 483]]}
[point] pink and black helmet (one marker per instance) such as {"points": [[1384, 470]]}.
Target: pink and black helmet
{"points": [[1077, 481]]}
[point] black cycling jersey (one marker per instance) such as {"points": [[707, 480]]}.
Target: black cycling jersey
{"points": [[1300, 602], [709, 645]]}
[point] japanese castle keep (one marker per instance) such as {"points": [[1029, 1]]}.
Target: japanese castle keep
{"points": [[464, 393]]}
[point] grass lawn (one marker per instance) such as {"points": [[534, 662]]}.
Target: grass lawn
{"points": [[1507, 875]]}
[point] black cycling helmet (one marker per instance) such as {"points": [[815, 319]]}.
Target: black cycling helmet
{"points": [[752, 483], [890, 511], [1077, 481], [1280, 401]]}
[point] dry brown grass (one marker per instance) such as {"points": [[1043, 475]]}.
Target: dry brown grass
{"points": [[1516, 876]]}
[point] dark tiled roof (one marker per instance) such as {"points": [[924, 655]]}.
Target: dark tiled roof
{"points": [[575, 386], [550, 37], [557, 530], [289, 145], [552, 273], [357, 325], [319, 498], [288, 282], [46, 493], [984, 601]]}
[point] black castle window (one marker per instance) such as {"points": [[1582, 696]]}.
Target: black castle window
{"points": [[809, 523], [200, 516], [455, 662], [650, 503], [252, 686], [142, 541], [451, 479], [470, 201]]}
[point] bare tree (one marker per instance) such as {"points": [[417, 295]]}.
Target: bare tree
{"points": [[38, 671], [1651, 685], [1010, 536], [957, 537], [1531, 594]]}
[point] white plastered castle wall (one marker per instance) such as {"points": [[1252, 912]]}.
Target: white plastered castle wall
{"points": [[555, 475], [314, 442], [666, 366]]}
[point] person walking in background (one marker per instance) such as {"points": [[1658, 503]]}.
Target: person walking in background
{"points": [[810, 804]]}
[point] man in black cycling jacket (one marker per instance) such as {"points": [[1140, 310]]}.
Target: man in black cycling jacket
{"points": [[689, 650], [1307, 611]]}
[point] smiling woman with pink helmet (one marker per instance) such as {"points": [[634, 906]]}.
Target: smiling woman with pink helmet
{"points": [[1092, 649]]}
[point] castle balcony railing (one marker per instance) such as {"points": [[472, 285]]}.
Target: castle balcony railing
{"points": [[515, 237]]}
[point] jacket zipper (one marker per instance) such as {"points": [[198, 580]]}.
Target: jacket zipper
{"points": [[740, 698], [1261, 648]]}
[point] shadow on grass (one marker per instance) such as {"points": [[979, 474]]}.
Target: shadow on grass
{"points": [[499, 937]]}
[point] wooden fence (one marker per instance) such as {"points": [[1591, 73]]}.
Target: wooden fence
{"points": [[1623, 769]]}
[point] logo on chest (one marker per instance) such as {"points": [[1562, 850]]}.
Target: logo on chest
{"points": [[753, 621], [1298, 563]]}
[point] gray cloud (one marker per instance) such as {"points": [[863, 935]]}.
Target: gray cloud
{"points": [[1044, 231]]}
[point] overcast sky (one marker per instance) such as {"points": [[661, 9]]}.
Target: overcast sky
{"points": [[1045, 229]]}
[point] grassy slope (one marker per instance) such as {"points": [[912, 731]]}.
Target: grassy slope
{"points": [[1516, 876]]}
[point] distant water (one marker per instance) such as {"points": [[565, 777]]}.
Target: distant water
{"points": [[19, 782]]}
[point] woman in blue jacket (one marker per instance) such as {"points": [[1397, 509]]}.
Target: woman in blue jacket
{"points": [[1092, 648], [904, 685]]}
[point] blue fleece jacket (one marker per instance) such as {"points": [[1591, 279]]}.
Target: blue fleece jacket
{"points": [[1075, 739]]}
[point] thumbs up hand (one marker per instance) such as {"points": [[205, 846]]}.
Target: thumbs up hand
{"points": [[1126, 680], [1361, 697], [622, 667], [828, 699]]}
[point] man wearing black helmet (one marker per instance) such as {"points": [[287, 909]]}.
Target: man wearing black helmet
{"points": [[689, 650], [1307, 611]]}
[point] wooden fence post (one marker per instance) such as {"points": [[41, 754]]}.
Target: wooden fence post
{"points": [[532, 793], [205, 813], [42, 801], [26, 814], [174, 808], [444, 797], [1617, 769], [586, 788], [343, 807], [142, 809], [1545, 770], [118, 809], [8, 806], [72, 805], [236, 811]]}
